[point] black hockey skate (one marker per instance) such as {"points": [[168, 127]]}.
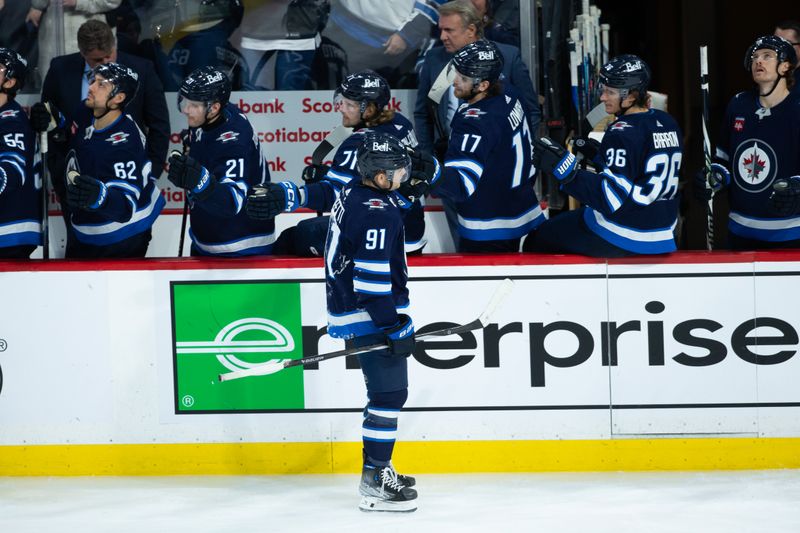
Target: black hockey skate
{"points": [[382, 490]]}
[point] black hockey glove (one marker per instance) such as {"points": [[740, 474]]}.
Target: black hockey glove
{"points": [[267, 202], [85, 192], [45, 117], [424, 167], [588, 148], [785, 197], [706, 185], [314, 173], [400, 337], [550, 157], [186, 173]]}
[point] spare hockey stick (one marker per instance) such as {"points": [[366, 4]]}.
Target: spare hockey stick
{"points": [[707, 146], [329, 143], [277, 365], [45, 197]]}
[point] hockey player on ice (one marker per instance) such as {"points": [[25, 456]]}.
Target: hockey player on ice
{"points": [[757, 157], [362, 99], [222, 163], [631, 205], [366, 276]]}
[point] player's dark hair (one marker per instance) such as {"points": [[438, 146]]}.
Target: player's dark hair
{"points": [[789, 24], [95, 35], [495, 89], [467, 12]]}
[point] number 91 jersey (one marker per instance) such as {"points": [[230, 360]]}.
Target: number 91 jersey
{"points": [[633, 202]]}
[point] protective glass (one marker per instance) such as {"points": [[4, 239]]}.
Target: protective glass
{"points": [[764, 55], [102, 83], [185, 105], [399, 175]]}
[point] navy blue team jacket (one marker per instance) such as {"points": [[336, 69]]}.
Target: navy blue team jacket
{"points": [[633, 202], [365, 263], [20, 204], [758, 148]]}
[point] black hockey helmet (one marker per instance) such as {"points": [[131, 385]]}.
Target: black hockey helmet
{"points": [[364, 87], [627, 73], [125, 80], [207, 85], [480, 61], [781, 46], [16, 67], [380, 152]]}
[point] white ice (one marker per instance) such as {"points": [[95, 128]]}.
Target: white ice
{"points": [[708, 502]]}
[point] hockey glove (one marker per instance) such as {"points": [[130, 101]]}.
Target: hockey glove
{"points": [[400, 337], [45, 117], [424, 167], [588, 148], [186, 173], [265, 203], [785, 197], [314, 173], [86, 192], [706, 185], [550, 157]]}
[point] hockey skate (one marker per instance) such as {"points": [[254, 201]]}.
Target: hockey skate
{"points": [[382, 490]]}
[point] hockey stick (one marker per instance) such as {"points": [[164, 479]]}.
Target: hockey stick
{"points": [[277, 365], [707, 146], [45, 197], [185, 214], [330, 142]]}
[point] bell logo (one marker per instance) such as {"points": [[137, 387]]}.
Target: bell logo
{"points": [[380, 147], [486, 56], [221, 327], [372, 84]]}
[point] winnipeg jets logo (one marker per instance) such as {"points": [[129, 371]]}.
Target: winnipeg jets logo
{"points": [[738, 124], [473, 112], [756, 165], [9, 113], [117, 138], [620, 125], [228, 136], [376, 203]]}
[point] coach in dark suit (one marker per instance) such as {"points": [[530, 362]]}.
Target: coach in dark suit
{"points": [[459, 25], [66, 84]]}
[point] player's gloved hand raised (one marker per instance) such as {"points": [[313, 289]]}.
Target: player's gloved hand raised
{"points": [[267, 202], [400, 337], [706, 184], [555, 159], [45, 117], [314, 173], [186, 173], [85, 192], [424, 167], [785, 197], [588, 148]]}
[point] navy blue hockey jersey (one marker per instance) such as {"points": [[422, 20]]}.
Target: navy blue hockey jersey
{"points": [[116, 156], [487, 170], [232, 153], [633, 202], [320, 196], [365, 264], [758, 147], [20, 194]]}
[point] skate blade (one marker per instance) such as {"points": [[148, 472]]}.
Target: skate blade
{"points": [[369, 504]]}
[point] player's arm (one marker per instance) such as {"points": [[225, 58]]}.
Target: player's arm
{"points": [[464, 162], [13, 147], [220, 190]]}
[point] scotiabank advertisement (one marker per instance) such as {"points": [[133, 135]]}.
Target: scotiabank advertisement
{"points": [[584, 350]]}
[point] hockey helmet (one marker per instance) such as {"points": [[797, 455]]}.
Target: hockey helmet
{"points": [[627, 73], [207, 85], [364, 87], [480, 61], [781, 46], [381, 152], [125, 80], [16, 66]]}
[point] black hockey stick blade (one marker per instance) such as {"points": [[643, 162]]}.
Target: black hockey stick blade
{"points": [[276, 365], [331, 141]]}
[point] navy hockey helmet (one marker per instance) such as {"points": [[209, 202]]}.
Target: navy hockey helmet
{"points": [[781, 46], [364, 87], [480, 61], [16, 67], [125, 80], [380, 152], [626, 73], [207, 85]]}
